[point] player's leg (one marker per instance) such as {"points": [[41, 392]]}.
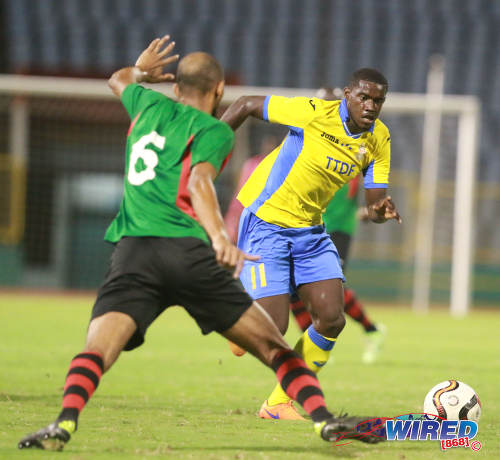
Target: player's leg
{"points": [[121, 314], [314, 258], [316, 343], [354, 308], [256, 332], [325, 298], [268, 279], [300, 312], [298, 308], [278, 404], [218, 303], [375, 334], [106, 338], [277, 308]]}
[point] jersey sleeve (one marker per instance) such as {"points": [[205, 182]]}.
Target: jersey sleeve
{"points": [[376, 173], [291, 111], [213, 145], [135, 98]]}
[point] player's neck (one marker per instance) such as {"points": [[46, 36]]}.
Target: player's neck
{"points": [[353, 127], [205, 104]]}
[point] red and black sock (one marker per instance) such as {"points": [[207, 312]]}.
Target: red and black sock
{"points": [[83, 377], [302, 316], [300, 383], [355, 310]]}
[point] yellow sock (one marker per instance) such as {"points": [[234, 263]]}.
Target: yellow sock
{"points": [[315, 349]]}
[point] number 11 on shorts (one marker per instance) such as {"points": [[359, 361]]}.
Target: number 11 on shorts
{"points": [[262, 276]]}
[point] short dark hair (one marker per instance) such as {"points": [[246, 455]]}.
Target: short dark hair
{"points": [[368, 74], [199, 71]]}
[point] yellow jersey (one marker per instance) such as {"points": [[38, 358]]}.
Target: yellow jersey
{"points": [[293, 185]]}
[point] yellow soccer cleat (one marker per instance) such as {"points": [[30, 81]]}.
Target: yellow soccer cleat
{"points": [[284, 411]]}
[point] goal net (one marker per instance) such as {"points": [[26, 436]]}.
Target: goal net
{"points": [[63, 141]]}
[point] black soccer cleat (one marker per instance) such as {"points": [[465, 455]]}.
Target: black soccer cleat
{"points": [[52, 437], [364, 429]]}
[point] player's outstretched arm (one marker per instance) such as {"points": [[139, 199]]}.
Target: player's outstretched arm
{"points": [[148, 67], [204, 200], [380, 208], [242, 108]]}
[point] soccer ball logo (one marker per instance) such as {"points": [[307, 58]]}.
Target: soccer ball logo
{"points": [[453, 400]]}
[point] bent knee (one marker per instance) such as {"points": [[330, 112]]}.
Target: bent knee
{"points": [[330, 325]]}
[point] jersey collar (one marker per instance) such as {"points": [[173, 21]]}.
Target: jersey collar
{"points": [[344, 116]]}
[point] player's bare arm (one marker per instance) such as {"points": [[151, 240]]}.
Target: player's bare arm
{"points": [[148, 67], [242, 108], [380, 208], [205, 205]]}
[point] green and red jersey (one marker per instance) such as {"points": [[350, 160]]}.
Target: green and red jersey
{"points": [[165, 140]]}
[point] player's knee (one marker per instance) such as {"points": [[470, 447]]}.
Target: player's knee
{"points": [[330, 324]]}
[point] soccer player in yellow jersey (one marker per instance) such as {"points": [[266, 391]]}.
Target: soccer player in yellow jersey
{"points": [[328, 144]]}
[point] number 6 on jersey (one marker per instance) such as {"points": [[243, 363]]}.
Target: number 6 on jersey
{"points": [[148, 156]]}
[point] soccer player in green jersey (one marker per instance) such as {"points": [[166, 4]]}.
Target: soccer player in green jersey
{"points": [[172, 247]]}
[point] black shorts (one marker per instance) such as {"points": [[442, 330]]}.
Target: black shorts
{"points": [[149, 274], [342, 241]]}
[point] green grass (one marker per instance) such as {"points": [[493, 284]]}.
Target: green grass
{"points": [[183, 395]]}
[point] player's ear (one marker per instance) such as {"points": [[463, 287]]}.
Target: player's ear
{"points": [[219, 90], [347, 92], [177, 91]]}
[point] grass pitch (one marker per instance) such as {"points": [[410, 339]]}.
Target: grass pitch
{"points": [[183, 395]]}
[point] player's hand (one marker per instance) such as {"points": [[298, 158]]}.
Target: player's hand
{"points": [[229, 256], [154, 58], [385, 209]]}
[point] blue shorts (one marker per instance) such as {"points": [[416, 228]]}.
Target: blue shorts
{"points": [[289, 257]]}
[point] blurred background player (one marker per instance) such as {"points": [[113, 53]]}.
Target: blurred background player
{"points": [[328, 144], [340, 219], [171, 244]]}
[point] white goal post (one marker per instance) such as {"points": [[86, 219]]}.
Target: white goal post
{"points": [[466, 108]]}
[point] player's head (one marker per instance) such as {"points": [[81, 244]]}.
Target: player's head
{"points": [[365, 95], [199, 75]]}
